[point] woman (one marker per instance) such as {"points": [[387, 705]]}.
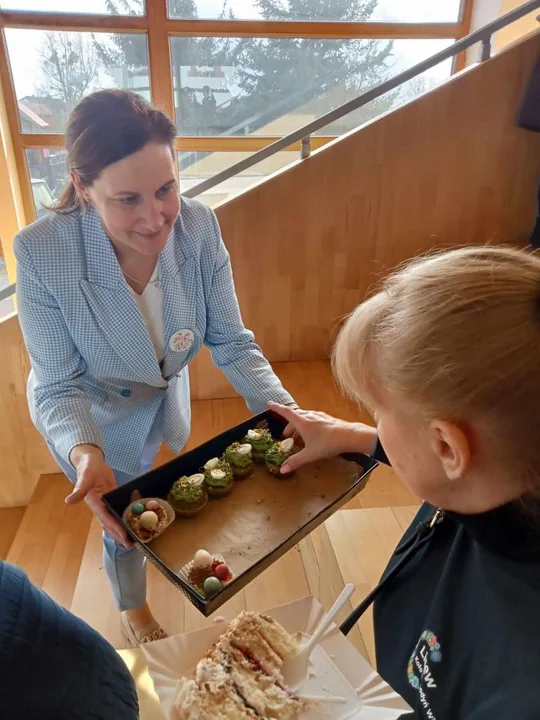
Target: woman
{"points": [[117, 290], [446, 359]]}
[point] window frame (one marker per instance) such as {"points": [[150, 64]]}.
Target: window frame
{"points": [[159, 28]]}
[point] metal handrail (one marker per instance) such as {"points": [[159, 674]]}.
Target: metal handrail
{"points": [[7, 292], [304, 133]]}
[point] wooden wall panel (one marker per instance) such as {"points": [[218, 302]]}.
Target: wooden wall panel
{"points": [[449, 168], [23, 453]]}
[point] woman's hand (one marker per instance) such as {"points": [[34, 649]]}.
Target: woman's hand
{"points": [[94, 479], [323, 435]]}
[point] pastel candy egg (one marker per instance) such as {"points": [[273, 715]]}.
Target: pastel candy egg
{"points": [[222, 572], [152, 505], [212, 586], [137, 508], [149, 520], [202, 559]]}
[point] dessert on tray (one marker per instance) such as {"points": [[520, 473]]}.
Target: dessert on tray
{"points": [[276, 456], [188, 495], [218, 477], [240, 458], [148, 518], [207, 573], [240, 677], [260, 440]]}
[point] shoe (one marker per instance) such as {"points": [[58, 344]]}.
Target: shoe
{"points": [[148, 634]]}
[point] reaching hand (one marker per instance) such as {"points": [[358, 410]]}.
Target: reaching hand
{"points": [[323, 436], [94, 479]]}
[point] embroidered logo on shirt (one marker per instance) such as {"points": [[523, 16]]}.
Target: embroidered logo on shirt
{"points": [[419, 672]]}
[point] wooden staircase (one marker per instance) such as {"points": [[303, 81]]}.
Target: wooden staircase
{"points": [[60, 546]]}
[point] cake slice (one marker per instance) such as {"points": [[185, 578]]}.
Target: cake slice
{"points": [[240, 677], [211, 695]]}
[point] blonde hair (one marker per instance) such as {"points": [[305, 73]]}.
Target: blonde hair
{"points": [[458, 335]]}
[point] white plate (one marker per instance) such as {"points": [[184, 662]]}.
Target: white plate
{"points": [[338, 669]]}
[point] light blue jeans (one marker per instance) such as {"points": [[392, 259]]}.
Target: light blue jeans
{"points": [[125, 568]]}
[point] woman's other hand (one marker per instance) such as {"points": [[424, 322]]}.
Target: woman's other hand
{"points": [[323, 436], [94, 479]]}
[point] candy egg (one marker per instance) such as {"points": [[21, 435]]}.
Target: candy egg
{"points": [[212, 586], [244, 449], [254, 434], [196, 479], [217, 474], [152, 505], [149, 520], [202, 559], [286, 445], [222, 572], [211, 464], [137, 508]]}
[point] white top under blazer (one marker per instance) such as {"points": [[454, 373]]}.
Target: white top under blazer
{"points": [[95, 374]]}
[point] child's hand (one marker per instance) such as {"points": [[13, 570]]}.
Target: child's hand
{"points": [[323, 435]]}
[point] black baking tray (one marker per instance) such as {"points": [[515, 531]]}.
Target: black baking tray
{"points": [[158, 482]]}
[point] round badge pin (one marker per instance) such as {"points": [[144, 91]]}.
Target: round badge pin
{"points": [[181, 340]]}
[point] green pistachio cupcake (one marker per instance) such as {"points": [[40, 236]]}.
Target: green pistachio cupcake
{"points": [[188, 495], [218, 477], [260, 440], [277, 455], [240, 458]]}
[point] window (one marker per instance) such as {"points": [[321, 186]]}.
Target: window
{"points": [[194, 167], [101, 7], [317, 10], [48, 172], [53, 71], [6, 305], [230, 91], [273, 86]]}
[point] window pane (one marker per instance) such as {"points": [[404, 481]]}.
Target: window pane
{"points": [[195, 167], [101, 7], [6, 305], [345, 10], [53, 71], [48, 172], [272, 86]]}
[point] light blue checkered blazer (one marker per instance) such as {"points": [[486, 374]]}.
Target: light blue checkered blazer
{"points": [[96, 378]]}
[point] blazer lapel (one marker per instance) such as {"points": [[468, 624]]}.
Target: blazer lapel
{"points": [[179, 282], [113, 306]]}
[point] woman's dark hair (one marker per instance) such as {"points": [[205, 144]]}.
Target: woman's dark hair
{"points": [[105, 127]]}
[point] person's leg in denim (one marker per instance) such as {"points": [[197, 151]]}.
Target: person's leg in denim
{"points": [[125, 568]]}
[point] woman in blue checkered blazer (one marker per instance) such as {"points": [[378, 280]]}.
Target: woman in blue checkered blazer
{"points": [[118, 289]]}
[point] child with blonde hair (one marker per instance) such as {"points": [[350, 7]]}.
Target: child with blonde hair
{"points": [[446, 357]]}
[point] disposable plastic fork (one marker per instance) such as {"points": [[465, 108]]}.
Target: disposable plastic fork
{"points": [[295, 669]]}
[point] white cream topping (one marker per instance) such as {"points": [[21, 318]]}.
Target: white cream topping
{"points": [[217, 474], [211, 464], [286, 445]]}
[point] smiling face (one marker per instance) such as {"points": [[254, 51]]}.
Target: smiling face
{"points": [[137, 200]]}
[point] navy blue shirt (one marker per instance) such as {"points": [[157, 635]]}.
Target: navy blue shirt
{"points": [[457, 630], [53, 666]]}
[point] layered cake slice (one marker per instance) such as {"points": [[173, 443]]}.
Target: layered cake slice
{"points": [[240, 677]]}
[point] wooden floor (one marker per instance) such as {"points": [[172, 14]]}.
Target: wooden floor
{"points": [[60, 546]]}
